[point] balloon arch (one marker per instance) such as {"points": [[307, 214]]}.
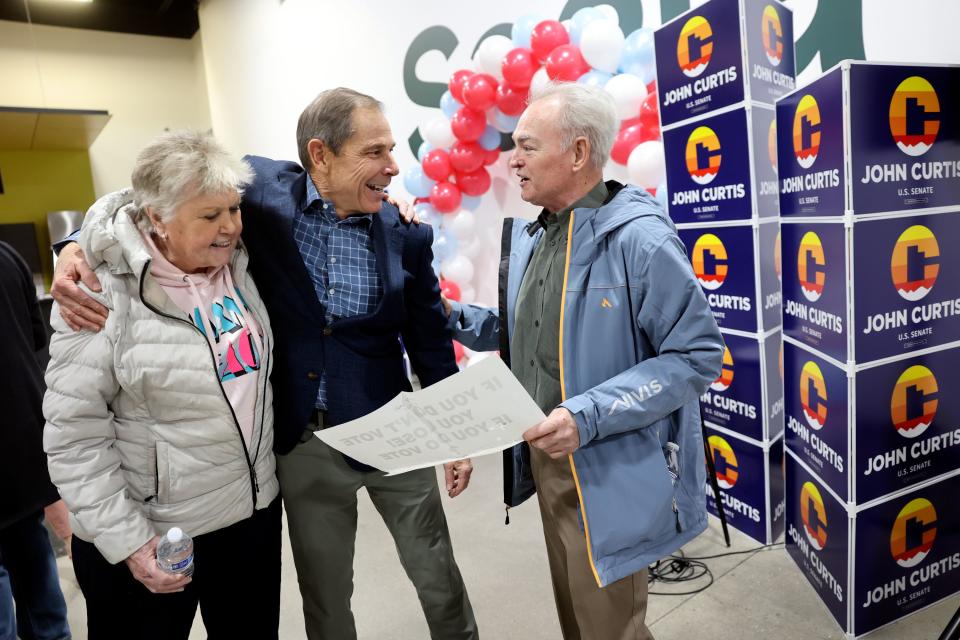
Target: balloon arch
{"points": [[484, 102]]}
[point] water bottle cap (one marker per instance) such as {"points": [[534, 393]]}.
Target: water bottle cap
{"points": [[175, 534]]}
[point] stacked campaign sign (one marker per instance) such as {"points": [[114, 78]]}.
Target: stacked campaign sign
{"points": [[720, 67], [869, 159]]}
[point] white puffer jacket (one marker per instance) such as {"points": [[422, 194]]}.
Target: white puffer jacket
{"points": [[140, 436]]}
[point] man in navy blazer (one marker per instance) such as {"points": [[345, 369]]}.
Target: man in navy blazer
{"points": [[349, 286]]}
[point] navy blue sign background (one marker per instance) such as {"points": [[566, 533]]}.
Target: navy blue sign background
{"points": [[817, 201], [835, 553], [762, 86], [774, 384], [833, 299], [748, 493], [724, 19], [801, 438], [876, 567], [770, 294], [732, 408], [775, 478], [731, 130], [876, 295], [936, 450], [765, 186], [871, 90], [740, 282]]}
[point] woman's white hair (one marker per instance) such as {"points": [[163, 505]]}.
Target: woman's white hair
{"points": [[584, 111], [180, 165]]}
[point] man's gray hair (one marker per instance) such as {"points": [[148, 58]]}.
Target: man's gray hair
{"points": [[179, 165], [330, 118], [584, 111]]}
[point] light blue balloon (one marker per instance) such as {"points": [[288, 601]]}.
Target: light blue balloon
{"points": [[445, 244], [647, 74], [470, 203], [490, 139], [427, 213], [449, 104], [661, 196], [520, 31], [416, 182], [503, 122], [594, 78], [580, 19], [425, 148], [637, 53]]}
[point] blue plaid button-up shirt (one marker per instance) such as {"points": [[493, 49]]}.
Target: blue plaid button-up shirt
{"points": [[339, 257]]}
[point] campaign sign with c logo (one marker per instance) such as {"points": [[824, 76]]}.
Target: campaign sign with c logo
{"points": [[734, 400], [763, 125], [769, 35], [723, 263]]}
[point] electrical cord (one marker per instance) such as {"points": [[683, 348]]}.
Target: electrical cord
{"points": [[682, 568]]}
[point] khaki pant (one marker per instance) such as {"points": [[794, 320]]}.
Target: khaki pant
{"points": [[320, 497], [587, 612]]}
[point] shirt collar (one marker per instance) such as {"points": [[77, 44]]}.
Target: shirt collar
{"points": [[315, 203], [593, 200]]}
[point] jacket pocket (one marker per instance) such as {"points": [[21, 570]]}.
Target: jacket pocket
{"points": [[163, 472]]}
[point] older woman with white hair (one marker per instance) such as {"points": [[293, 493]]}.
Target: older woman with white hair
{"points": [[163, 419]]}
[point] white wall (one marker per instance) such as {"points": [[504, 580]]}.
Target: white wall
{"points": [[147, 83]]}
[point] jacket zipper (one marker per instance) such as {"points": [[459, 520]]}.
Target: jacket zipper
{"points": [[563, 397], [254, 483]]}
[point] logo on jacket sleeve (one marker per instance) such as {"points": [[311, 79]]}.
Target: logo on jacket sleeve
{"points": [[806, 131], [814, 515], [813, 395], [695, 46], [710, 261], [913, 265], [914, 116], [703, 155], [811, 266], [913, 404], [723, 383], [913, 533], [724, 462], [772, 35]]}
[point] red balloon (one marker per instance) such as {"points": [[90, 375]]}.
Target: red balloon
{"points": [[648, 111], [450, 289], [436, 165], [456, 83], [492, 156], [468, 124], [566, 64], [474, 183], [458, 352], [445, 197], [652, 88], [626, 141], [652, 132], [518, 68], [547, 36], [466, 157], [480, 91], [652, 191], [420, 200], [511, 101]]}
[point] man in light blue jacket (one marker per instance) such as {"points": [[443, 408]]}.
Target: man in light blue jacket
{"points": [[602, 321]]}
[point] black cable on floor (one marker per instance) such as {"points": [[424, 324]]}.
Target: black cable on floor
{"points": [[681, 568]]}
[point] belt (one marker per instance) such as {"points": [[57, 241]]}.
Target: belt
{"points": [[315, 422]]}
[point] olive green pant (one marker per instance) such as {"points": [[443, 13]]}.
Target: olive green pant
{"points": [[586, 611], [320, 498]]}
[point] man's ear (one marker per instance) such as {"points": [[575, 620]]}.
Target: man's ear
{"points": [[319, 153], [155, 221], [581, 153]]}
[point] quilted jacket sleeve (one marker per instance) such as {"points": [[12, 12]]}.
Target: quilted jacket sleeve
{"points": [[79, 438]]}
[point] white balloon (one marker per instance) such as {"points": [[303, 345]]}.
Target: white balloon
{"points": [[459, 268], [471, 248], [628, 92], [467, 295], [609, 12], [461, 224], [567, 24], [438, 133], [491, 53], [478, 356], [646, 165], [539, 79], [601, 44]]}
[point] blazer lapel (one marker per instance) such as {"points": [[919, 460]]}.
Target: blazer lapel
{"points": [[388, 248]]}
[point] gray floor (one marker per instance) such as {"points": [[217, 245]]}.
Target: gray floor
{"points": [[755, 596]]}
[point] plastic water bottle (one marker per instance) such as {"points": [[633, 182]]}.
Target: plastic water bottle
{"points": [[175, 552]]}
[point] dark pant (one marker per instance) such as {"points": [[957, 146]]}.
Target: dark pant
{"points": [[28, 572], [236, 582]]}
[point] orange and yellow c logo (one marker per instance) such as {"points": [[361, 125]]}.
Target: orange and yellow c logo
{"points": [[914, 116], [694, 46], [814, 515], [913, 533], [806, 131]]}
